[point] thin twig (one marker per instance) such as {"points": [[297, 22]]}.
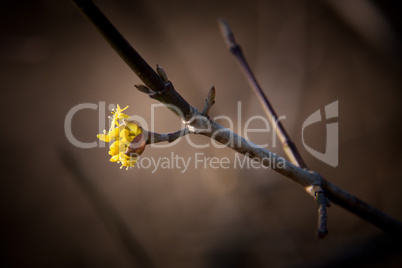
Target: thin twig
{"points": [[138, 144], [288, 145], [209, 101], [199, 123], [319, 196], [153, 137]]}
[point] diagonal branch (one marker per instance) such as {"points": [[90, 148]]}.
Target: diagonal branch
{"points": [[196, 122], [139, 66], [288, 145]]}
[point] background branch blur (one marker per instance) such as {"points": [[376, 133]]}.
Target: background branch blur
{"points": [[108, 214]]}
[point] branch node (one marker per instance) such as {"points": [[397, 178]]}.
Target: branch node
{"points": [[168, 87], [143, 89], [161, 72]]}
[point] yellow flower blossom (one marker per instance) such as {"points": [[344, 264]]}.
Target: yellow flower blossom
{"points": [[121, 133]]}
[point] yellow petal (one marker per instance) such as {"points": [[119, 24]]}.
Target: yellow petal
{"points": [[115, 144], [114, 158], [118, 114], [132, 162], [119, 110], [124, 134], [103, 137], [114, 148], [122, 116], [114, 134], [123, 157], [126, 137], [134, 128]]}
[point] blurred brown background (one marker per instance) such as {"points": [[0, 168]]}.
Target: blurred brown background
{"points": [[306, 54]]}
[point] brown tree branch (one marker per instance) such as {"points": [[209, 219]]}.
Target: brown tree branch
{"points": [[138, 144], [139, 66], [322, 229], [153, 137], [288, 145], [196, 122]]}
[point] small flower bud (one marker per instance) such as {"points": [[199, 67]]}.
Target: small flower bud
{"points": [[162, 73]]}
